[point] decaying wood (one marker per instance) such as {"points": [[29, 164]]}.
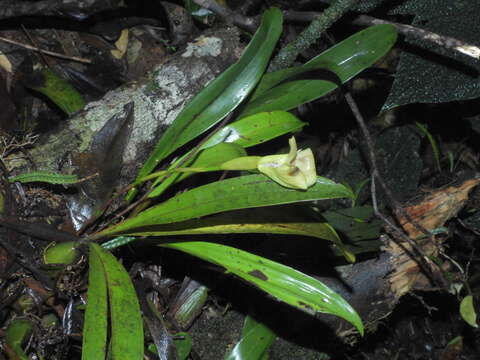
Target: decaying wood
{"points": [[157, 98], [375, 286]]}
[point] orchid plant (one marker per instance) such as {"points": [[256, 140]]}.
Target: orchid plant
{"points": [[263, 101]]}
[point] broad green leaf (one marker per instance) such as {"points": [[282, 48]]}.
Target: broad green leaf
{"points": [[126, 340], [248, 131], [346, 59], [231, 194], [63, 253], [277, 220], [255, 341], [58, 90], [280, 281], [467, 311], [256, 129], [16, 335], [95, 325], [223, 94]]}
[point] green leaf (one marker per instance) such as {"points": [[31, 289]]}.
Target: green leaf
{"points": [[278, 220], [126, 340], [117, 242], [64, 95], [44, 176], [280, 281], [96, 322], [255, 341], [63, 253], [222, 95], [16, 334], [346, 59], [231, 194], [357, 227], [433, 143], [256, 129], [183, 344], [248, 131], [467, 311]]}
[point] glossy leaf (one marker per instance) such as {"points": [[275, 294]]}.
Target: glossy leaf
{"points": [[261, 221], [346, 59], [126, 340], [255, 342], [96, 322], [256, 129], [280, 281], [223, 94], [231, 194], [248, 131]]}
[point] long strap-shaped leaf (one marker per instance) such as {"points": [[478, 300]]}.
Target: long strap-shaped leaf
{"points": [[251, 221], [96, 315], [280, 281], [126, 339], [232, 194], [223, 94], [346, 59]]}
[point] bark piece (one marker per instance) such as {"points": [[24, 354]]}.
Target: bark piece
{"points": [[375, 286], [157, 98]]}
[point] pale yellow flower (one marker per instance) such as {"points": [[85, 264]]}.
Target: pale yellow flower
{"points": [[294, 170]]}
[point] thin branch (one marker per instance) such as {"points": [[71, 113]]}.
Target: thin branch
{"points": [[444, 41], [447, 42], [397, 208], [27, 34], [51, 53]]}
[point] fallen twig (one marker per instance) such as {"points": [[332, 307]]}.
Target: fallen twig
{"points": [[423, 262], [444, 41], [51, 53]]}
